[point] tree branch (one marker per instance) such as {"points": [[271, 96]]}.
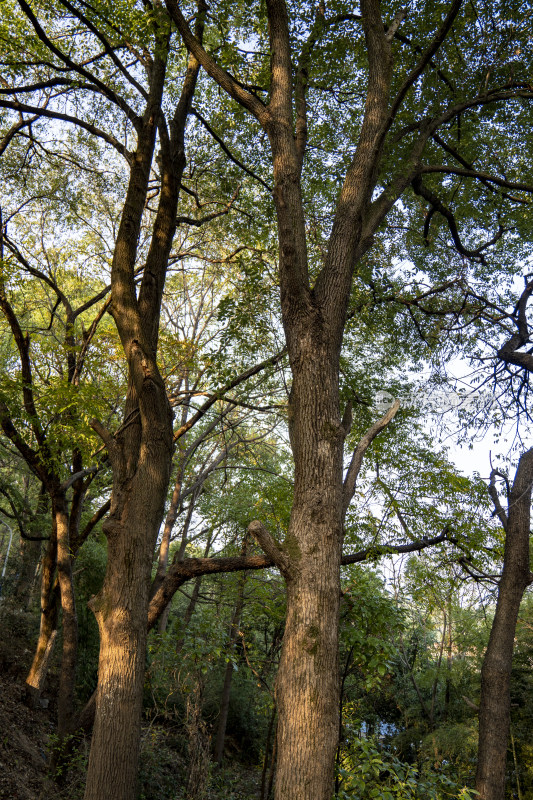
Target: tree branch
{"points": [[109, 93], [12, 132], [181, 572], [493, 492], [209, 217], [424, 61], [76, 477], [270, 547], [109, 50], [221, 393], [45, 112], [227, 151], [226, 81], [481, 176], [359, 452], [439, 206]]}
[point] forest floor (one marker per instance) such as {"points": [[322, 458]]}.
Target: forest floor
{"points": [[24, 745], [27, 735]]}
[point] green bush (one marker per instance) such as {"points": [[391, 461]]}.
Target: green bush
{"points": [[369, 773]]}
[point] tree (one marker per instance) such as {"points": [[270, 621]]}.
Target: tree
{"points": [[47, 386], [132, 104], [503, 335], [140, 455], [495, 700], [389, 142], [393, 138]]}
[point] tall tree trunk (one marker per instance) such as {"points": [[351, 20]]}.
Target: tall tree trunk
{"points": [[141, 455], [495, 701], [228, 672], [48, 625], [307, 688], [121, 611], [140, 458], [67, 678], [313, 321]]}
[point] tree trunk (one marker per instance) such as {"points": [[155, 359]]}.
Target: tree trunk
{"points": [[495, 701], [189, 611], [48, 625], [313, 321], [35, 682], [345, 673], [307, 691], [164, 549], [228, 673], [449, 664], [170, 521], [266, 761], [121, 610], [199, 744], [29, 552], [67, 680], [141, 456], [160, 575]]}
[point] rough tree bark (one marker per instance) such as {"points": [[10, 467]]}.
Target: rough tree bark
{"points": [[313, 320], [48, 623], [141, 453], [67, 678], [495, 700]]}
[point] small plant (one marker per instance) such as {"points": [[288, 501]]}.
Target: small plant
{"points": [[68, 765]]}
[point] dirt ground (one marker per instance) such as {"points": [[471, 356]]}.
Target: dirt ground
{"points": [[24, 732]]}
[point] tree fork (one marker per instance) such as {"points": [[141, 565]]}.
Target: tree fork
{"points": [[141, 454]]}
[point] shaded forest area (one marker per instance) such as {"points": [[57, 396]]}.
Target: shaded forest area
{"points": [[264, 267]]}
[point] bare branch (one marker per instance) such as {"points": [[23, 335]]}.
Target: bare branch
{"points": [[395, 24], [77, 476], [493, 492], [359, 452]]}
